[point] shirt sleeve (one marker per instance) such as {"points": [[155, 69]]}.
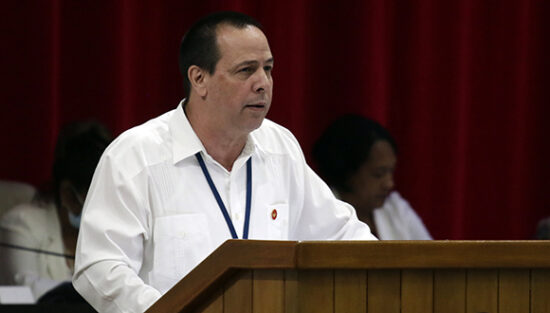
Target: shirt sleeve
{"points": [[110, 247]]}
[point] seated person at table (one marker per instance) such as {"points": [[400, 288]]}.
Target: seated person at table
{"points": [[356, 156], [50, 222]]}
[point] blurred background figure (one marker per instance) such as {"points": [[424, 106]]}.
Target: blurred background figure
{"points": [[543, 229], [13, 193], [50, 222], [356, 156]]}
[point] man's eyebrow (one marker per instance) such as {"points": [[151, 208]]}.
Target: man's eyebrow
{"points": [[251, 62], [243, 64]]}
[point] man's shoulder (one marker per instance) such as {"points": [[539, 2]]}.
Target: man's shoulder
{"points": [[153, 131], [274, 138], [143, 143]]}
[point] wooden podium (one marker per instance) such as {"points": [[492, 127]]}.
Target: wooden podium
{"points": [[249, 276]]}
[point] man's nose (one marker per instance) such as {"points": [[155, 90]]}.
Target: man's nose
{"points": [[263, 81]]}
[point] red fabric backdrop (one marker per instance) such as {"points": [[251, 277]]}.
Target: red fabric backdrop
{"points": [[462, 85]]}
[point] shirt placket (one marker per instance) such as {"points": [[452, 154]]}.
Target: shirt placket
{"points": [[236, 197]]}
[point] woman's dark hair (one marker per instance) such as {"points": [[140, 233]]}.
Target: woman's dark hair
{"points": [[345, 146], [77, 151], [199, 45]]}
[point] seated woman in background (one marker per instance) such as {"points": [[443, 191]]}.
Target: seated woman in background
{"points": [[50, 223], [356, 156]]}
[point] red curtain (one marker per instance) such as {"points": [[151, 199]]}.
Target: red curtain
{"points": [[462, 85]]}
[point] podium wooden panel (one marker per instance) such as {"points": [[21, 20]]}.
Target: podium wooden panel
{"points": [[249, 276]]}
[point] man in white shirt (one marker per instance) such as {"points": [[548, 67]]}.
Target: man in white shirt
{"points": [[168, 192]]}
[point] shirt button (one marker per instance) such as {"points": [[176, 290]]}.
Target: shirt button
{"points": [[182, 234], [237, 216]]}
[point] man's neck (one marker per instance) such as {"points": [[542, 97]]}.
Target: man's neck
{"points": [[221, 145], [222, 149]]}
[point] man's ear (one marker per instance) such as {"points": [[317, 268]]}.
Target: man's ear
{"points": [[198, 78]]}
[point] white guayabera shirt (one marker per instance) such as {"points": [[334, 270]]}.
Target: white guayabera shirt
{"points": [[150, 216]]}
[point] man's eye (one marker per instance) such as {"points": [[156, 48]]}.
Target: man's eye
{"points": [[246, 70], [268, 68]]}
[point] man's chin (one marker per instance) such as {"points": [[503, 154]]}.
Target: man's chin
{"points": [[258, 124], [254, 124]]}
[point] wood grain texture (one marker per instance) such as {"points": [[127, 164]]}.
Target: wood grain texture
{"points": [[423, 254], [449, 291], [350, 291], [268, 291], [417, 291], [214, 305], [540, 291], [316, 291], [384, 291], [513, 291], [291, 291], [238, 293], [481, 291]]}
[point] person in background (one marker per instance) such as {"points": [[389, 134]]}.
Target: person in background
{"points": [[12, 193], [50, 222], [356, 156], [543, 229]]}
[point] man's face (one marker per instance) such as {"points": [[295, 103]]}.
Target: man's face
{"points": [[374, 180], [240, 89]]}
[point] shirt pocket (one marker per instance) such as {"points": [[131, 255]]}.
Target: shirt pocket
{"points": [[277, 226], [181, 242]]}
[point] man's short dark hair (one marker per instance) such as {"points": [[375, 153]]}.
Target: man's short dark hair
{"points": [[199, 45], [345, 146]]}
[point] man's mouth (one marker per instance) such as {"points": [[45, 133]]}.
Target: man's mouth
{"points": [[260, 105]]}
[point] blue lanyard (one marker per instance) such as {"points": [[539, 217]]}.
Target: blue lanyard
{"points": [[219, 199]]}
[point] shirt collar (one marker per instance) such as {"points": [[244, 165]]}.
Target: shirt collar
{"points": [[186, 142]]}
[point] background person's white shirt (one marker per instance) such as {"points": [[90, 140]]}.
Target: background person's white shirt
{"points": [[33, 225], [396, 220], [150, 216]]}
